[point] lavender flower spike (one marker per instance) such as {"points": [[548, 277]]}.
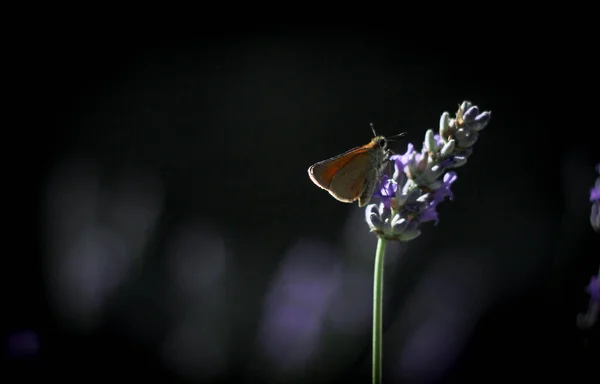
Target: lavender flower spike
{"points": [[595, 199], [588, 319], [421, 180]]}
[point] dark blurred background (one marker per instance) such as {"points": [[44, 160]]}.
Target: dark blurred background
{"points": [[171, 232]]}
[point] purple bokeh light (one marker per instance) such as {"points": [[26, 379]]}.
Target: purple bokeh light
{"points": [[295, 305]]}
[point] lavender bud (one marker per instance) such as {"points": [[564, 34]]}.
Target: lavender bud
{"points": [[430, 142], [411, 232], [480, 121], [465, 105], [448, 148], [445, 125], [471, 114], [372, 217]]}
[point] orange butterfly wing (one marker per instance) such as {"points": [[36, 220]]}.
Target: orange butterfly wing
{"points": [[343, 176]]}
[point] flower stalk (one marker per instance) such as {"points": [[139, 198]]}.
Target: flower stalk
{"points": [[378, 310], [409, 198]]}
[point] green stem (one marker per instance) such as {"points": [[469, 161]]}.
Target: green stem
{"points": [[378, 310]]}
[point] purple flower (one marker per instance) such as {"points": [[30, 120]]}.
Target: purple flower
{"points": [[422, 180], [595, 192], [595, 199], [429, 213], [588, 319], [441, 193], [400, 161], [386, 191], [593, 289]]}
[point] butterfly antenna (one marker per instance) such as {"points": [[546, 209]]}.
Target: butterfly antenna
{"points": [[398, 135], [373, 129]]}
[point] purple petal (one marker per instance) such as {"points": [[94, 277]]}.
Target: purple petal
{"points": [[421, 160], [404, 159], [447, 162], [386, 201], [429, 214], [594, 289], [440, 193], [390, 188], [377, 192], [594, 194], [450, 178], [386, 191], [399, 165]]}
